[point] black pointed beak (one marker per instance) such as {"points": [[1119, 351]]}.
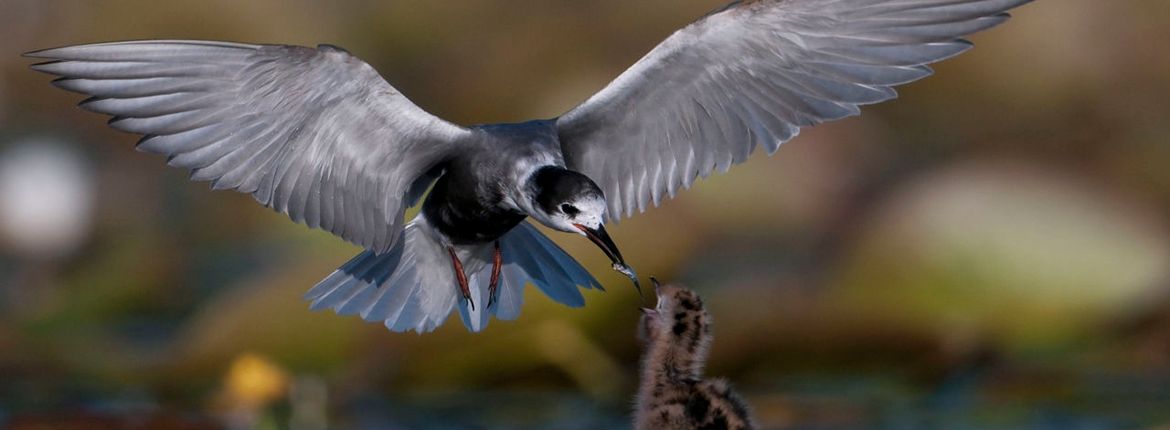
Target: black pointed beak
{"points": [[601, 238]]}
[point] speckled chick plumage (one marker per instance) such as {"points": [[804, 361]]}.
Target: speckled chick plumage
{"points": [[673, 393]]}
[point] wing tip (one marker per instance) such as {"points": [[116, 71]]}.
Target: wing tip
{"points": [[87, 104], [79, 52], [45, 66], [39, 53], [50, 53], [143, 146], [63, 83], [62, 52]]}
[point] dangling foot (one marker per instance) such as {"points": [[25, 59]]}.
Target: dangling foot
{"points": [[462, 277], [497, 264]]}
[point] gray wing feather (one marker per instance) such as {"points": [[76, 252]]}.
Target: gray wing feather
{"points": [[316, 134], [753, 74]]}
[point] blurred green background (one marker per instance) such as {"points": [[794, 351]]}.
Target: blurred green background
{"points": [[991, 250]]}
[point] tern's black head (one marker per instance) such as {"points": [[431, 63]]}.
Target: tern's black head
{"points": [[569, 201], [560, 190]]}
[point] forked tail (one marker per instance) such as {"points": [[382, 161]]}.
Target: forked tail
{"points": [[413, 286]]}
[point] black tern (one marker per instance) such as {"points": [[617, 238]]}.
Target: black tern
{"points": [[317, 134]]}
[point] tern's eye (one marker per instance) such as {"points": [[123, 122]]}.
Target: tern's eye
{"points": [[569, 209]]}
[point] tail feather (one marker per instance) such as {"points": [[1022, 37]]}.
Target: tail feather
{"points": [[413, 287], [395, 295], [544, 263], [341, 286], [476, 318], [511, 295], [412, 316], [565, 263]]}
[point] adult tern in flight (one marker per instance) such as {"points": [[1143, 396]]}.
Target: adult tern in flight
{"points": [[317, 134]]}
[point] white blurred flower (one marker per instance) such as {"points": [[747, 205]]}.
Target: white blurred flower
{"points": [[46, 198]]}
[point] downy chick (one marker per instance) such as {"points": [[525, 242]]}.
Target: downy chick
{"points": [[673, 393]]}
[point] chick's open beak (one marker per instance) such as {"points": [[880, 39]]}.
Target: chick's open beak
{"points": [[601, 238]]}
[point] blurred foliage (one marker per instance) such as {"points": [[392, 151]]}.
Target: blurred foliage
{"points": [[988, 251]]}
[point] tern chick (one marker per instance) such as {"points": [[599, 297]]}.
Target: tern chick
{"points": [[317, 134], [673, 393]]}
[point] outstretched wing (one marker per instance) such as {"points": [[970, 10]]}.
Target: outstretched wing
{"points": [[313, 133], [752, 74]]}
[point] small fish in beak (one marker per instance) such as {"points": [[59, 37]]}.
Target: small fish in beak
{"points": [[601, 238]]}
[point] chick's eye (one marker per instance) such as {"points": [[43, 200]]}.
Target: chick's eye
{"points": [[569, 209]]}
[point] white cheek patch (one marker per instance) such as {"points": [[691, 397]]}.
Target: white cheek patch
{"points": [[592, 212], [567, 224]]}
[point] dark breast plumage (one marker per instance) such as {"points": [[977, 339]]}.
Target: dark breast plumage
{"points": [[464, 216]]}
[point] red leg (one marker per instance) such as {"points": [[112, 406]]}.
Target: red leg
{"points": [[462, 277], [497, 264]]}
